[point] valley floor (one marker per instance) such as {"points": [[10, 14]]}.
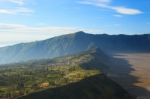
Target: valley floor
{"points": [[132, 71]]}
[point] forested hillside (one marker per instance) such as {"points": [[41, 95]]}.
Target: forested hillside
{"points": [[74, 43], [76, 76]]}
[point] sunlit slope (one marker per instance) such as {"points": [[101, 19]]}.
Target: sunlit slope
{"points": [[94, 87], [82, 78]]}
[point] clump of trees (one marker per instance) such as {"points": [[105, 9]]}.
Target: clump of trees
{"points": [[22, 80]]}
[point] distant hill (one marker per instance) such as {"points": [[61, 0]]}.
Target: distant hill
{"points": [[91, 58], [74, 43]]}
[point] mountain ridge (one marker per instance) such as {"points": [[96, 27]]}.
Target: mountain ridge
{"points": [[95, 87], [72, 44], [78, 76]]}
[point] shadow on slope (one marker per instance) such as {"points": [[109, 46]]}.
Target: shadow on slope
{"points": [[120, 71], [95, 87]]}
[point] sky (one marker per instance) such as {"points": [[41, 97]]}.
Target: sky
{"points": [[32, 20]]}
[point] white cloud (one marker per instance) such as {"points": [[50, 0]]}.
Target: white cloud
{"points": [[19, 28], [96, 1], [107, 5], [128, 11], [18, 2], [17, 33], [100, 3], [5, 11], [17, 10]]}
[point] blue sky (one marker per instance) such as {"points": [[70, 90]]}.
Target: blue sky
{"points": [[30, 20]]}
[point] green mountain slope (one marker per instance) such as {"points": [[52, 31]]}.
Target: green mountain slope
{"points": [[73, 43], [78, 76], [94, 87]]}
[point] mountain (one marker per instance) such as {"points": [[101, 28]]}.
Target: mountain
{"points": [[91, 58], [78, 76], [94, 87], [74, 43]]}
